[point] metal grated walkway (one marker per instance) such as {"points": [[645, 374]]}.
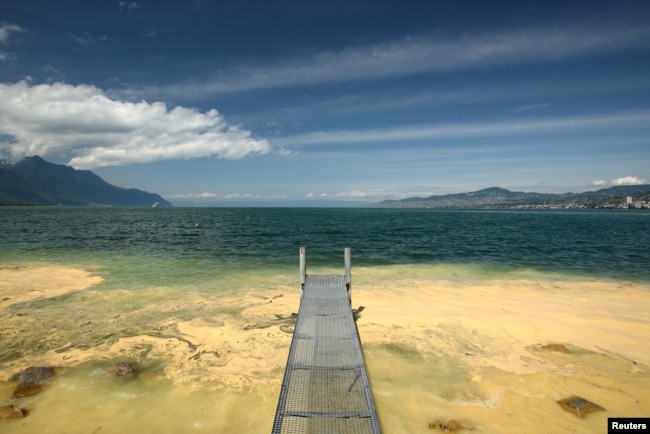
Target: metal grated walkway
{"points": [[325, 387]]}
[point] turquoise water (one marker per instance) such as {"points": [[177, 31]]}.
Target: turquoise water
{"points": [[191, 244]]}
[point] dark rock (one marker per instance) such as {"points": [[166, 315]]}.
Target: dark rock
{"points": [[446, 425], [123, 369], [33, 380], [12, 412], [579, 406], [556, 347], [356, 313]]}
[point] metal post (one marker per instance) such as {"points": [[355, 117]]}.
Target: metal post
{"points": [[347, 258], [303, 266]]}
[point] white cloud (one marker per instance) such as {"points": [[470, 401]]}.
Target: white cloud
{"points": [[626, 180], [81, 120], [204, 195], [207, 197], [426, 54], [282, 152], [629, 180]]}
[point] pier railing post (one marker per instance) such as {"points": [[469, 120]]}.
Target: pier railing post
{"points": [[303, 266], [347, 258]]}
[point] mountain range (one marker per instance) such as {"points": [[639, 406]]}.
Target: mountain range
{"points": [[34, 181], [495, 197]]}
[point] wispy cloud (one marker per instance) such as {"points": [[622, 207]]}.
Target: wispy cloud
{"points": [[448, 95], [479, 129], [81, 120], [525, 108], [6, 30], [427, 54], [86, 39], [127, 5]]}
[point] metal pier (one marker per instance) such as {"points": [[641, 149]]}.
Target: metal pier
{"points": [[325, 387]]}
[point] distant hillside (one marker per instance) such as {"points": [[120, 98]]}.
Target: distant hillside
{"points": [[34, 181], [495, 197]]}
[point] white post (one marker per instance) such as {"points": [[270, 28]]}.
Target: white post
{"points": [[347, 259], [303, 266]]}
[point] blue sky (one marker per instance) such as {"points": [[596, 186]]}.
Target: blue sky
{"points": [[209, 102]]}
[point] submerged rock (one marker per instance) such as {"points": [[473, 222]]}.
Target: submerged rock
{"points": [[446, 425], [33, 380], [579, 406], [556, 347], [12, 412], [287, 328], [123, 369]]}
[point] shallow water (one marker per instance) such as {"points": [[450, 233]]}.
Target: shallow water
{"points": [[458, 308], [214, 363]]}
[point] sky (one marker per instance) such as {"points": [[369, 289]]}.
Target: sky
{"points": [[222, 102]]}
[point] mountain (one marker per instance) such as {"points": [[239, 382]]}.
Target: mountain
{"points": [[495, 197], [34, 181]]}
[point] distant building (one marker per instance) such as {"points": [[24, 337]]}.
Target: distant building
{"points": [[630, 203]]}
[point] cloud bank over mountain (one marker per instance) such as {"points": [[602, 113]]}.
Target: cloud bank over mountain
{"points": [[82, 121]]}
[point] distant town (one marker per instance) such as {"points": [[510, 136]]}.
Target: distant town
{"points": [[619, 197], [614, 203]]}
